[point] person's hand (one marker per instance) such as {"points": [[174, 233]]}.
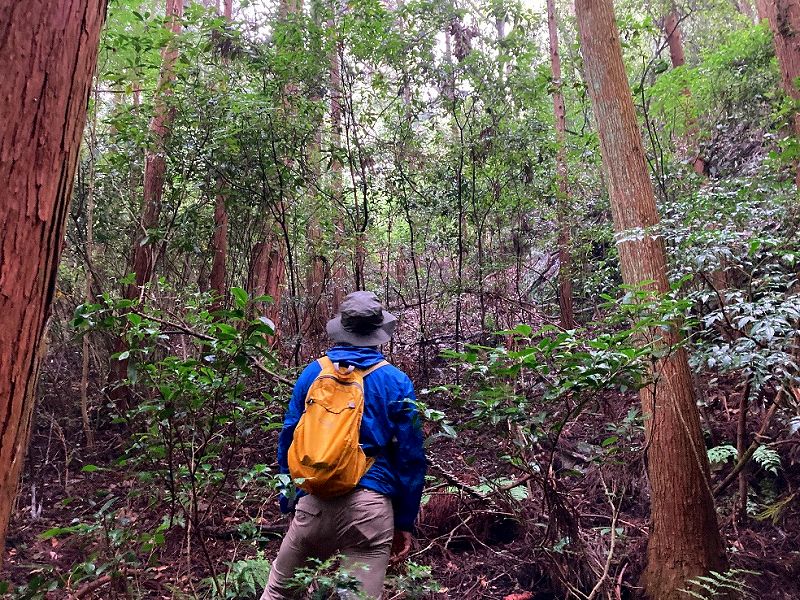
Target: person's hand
{"points": [[401, 546]]}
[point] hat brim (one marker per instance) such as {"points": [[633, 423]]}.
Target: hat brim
{"points": [[381, 335]]}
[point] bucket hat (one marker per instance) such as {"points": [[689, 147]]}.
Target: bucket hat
{"points": [[362, 321]]}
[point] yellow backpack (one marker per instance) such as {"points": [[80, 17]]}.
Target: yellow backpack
{"points": [[325, 454]]}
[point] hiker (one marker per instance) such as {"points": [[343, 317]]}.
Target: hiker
{"points": [[358, 499]]}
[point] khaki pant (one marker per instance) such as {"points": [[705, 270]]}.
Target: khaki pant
{"points": [[359, 525]]}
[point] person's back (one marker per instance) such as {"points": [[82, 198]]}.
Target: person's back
{"points": [[375, 519]]}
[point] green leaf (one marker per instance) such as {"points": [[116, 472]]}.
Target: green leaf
{"points": [[91, 468], [240, 296], [58, 531]]}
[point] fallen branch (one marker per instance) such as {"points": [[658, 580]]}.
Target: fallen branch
{"points": [[90, 587], [455, 481]]}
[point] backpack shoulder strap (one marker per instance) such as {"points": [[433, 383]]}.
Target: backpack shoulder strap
{"points": [[325, 363], [375, 367]]}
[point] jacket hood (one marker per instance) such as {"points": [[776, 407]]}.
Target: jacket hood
{"points": [[359, 356]]}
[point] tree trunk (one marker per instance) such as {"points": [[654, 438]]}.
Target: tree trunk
{"points": [[314, 303], [89, 296], [43, 99], [219, 241], [144, 250], [219, 244], [562, 183], [335, 77], [684, 537], [267, 271], [155, 169], [746, 8], [672, 31], [784, 21]]}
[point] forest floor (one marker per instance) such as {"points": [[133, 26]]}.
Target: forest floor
{"points": [[481, 535]]}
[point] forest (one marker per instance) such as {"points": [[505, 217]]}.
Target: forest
{"points": [[584, 215]]}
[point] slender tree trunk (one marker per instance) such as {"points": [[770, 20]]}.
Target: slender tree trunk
{"points": [[672, 31], [155, 169], [784, 21], [746, 8], [144, 250], [335, 79], [267, 271], [43, 99], [89, 296], [741, 447], [219, 241], [315, 304], [684, 536], [562, 183]]}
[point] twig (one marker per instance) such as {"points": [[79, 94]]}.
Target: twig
{"points": [[455, 481], [90, 587], [183, 329], [743, 460], [614, 514]]}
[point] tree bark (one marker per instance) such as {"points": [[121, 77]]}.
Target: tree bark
{"points": [[746, 8], [684, 536], [672, 31], [267, 270], [144, 251], [335, 78], [43, 99], [89, 296], [784, 21], [219, 240], [562, 184], [155, 169]]}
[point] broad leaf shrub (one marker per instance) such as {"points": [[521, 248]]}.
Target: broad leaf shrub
{"points": [[193, 410]]}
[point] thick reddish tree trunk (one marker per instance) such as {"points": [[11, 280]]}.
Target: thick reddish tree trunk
{"points": [[672, 30], [784, 21], [267, 272], [219, 241], [562, 183], [49, 52], [155, 169], [684, 537], [219, 244]]}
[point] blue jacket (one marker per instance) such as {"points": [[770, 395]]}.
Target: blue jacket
{"points": [[390, 430]]}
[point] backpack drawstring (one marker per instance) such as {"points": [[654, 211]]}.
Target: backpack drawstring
{"points": [[349, 370]]}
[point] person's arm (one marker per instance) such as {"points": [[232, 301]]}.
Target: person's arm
{"points": [[290, 420], [409, 457]]}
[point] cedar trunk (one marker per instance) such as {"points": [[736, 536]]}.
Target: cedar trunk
{"points": [[672, 31], [562, 192], [219, 241], [684, 537], [339, 283], [784, 21], [43, 99], [155, 168]]}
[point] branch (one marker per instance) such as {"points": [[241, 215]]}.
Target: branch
{"points": [[745, 458]]}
